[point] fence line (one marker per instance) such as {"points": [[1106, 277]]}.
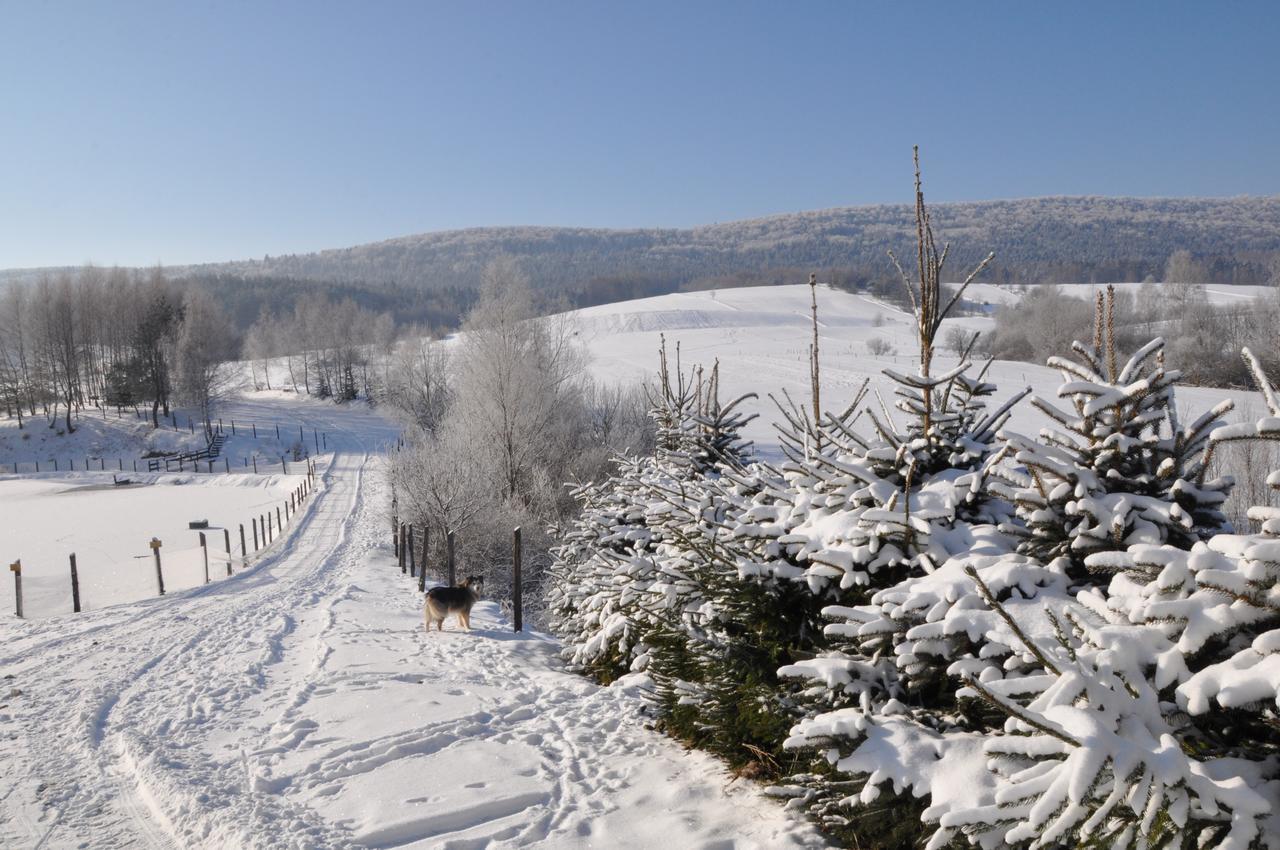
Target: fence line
{"points": [[287, 510], [226, 465], [187, 461]]}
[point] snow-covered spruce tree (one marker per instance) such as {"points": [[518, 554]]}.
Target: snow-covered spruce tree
{"points": [[721, 624], [1119, 468], [609, 590], [1154, 721], [868, 513], [733, 621]]}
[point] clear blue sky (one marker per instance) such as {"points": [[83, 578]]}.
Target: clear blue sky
{"points": [[170, 132]]}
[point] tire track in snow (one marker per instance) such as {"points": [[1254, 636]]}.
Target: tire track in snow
{"points": [[142, 712]]}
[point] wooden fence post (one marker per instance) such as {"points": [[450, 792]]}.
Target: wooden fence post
{"points": [[413, 565], [204, 550], [279, 525], [16, 567], [255, 534], [517, 601], [284, 465], [317, 439], [271, 529], [449, 546], [395, 529], [244, 553], [75, 586], [403, 557], [422, 573], [155, 550], [255, 464], [226, 465], [226, 540], [325, 438], [255, 429]]}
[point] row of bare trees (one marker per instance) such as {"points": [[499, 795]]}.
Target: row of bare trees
{"points": [[110, 338], [1201, 335], [330, 349]]}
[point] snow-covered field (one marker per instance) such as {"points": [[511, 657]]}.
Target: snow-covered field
{"points": [[761, 337], [299, 704], [108, 528]]}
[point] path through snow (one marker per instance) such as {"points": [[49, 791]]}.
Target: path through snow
{"points": [[301, 705]]}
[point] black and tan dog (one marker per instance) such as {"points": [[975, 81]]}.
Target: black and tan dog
{"points": [[443, 601]]}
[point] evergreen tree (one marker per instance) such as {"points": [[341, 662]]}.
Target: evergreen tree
{"points": [[1119, 469]]}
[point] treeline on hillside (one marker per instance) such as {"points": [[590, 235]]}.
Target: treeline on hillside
{"points": [[923, 629], [1203, 338], [1039, 240], [98, 338], [431, 279], [246, 298], [440, 307]]}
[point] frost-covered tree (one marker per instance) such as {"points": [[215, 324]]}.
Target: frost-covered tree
{"points": [[871, 511], [1119, 467], [203, 373], [1153, 722], [612, 586]]}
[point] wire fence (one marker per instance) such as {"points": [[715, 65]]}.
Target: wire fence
{"points": [[221, 549]]}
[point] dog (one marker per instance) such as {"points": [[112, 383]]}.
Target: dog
{"points": [[443, 601]]}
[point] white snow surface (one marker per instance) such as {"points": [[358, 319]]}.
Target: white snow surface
{"points": [[300, 704]]}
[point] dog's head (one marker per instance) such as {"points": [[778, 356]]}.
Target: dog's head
{"points": [[473, 583]]}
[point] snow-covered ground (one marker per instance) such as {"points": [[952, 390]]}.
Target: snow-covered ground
{"points": [[300, 704], [761, 337]]}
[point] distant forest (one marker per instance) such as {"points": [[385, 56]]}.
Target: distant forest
{"points": [[431, 279]]}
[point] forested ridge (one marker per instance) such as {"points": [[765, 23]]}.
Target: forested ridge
{"points": [[431, 278]]}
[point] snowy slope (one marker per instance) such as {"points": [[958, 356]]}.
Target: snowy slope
{"points": [[299, 704], [761, 336]]}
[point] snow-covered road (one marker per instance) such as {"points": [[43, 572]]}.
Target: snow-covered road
{"points": [[300, 704]]}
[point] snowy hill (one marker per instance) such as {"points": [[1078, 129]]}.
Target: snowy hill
{"points": [[761, 336]]}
